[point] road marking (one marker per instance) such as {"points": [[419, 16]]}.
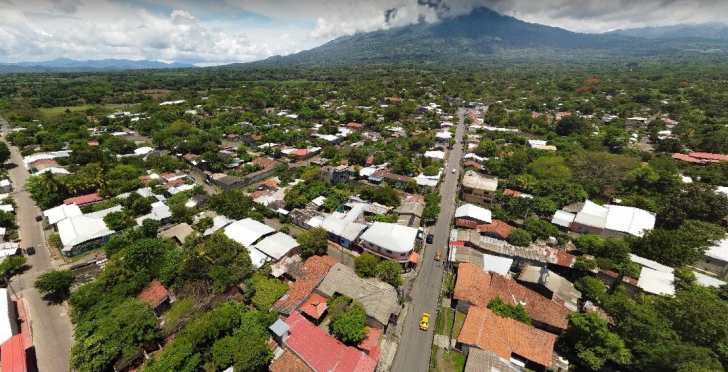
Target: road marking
{"points": [[63, 314]]}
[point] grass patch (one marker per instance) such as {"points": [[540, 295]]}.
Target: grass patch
{"points": [[53, 111], [443, 324], [453, 361], [174, 316], [459, 321]]}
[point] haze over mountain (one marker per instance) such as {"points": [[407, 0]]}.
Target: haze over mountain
{"points": [[717, 31], [486, 35], [70, 65]]}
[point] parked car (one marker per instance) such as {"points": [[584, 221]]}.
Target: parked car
{"points": [[454, 170], [30, 251], [438, 256], [425, 322], [39, 218], [429, 238]]}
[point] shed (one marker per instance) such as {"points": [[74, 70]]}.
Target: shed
{"points": [[278, 245]]}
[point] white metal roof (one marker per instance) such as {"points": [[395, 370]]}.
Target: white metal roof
{"points": [[657, 282], [247, 231], [435, 154], [101, 214], [474, 212], [536, 143], [343, 228], [592, 215], [390, 236], [644, 262], [719, 250], [159, 212], [630, 220], [319, 201], [277, 245], [78, 229], [707, 281], [8, 325], [218, 223], [62, 212], [562, 218], [257, 257], [497, 264]]}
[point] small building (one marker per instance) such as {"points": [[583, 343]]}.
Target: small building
{"points": [[509, 339], [306, 218], [247, 231], [177, 232], [343, 230], [497, 229], [335, 175], [278, 246], [160, 213], [8, 317], [473, 213], [477, 189], [157, 296], [389, 240], [379, 299], [315, 308], [551, 285], [612, 221], [81, 233], [410, 214], [288, 361], [715, 259], [307, 277], [61, 212], [487, 361]]}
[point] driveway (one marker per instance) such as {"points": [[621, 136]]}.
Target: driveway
{"points": [[415, 345], [51, 328]]}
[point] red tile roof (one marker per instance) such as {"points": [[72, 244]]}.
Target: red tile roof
{"points": [[321, 351], [12, 354], [257, 194], [270, 184], [312, 272], [412, 198], [46, 162], [504, 337], [370, 340], [559, 257], [478, 287], [512, 193], [466, 224], [497, 227], [264, 162], [414, 257], [93, 143], [289, 362], [683, 157], [354, 125], [174, 183], [191, 157], [300, 152], [315, 306], [708, 156], [474, 164], [370, 160], [154, 293], [84, 199], [391, 176]]}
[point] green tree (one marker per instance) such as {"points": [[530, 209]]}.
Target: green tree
{"points": [[366, 265], [267, 291], [675, 248], [314, 242], [696, 202], [517, 312], [486, 148], [591, 289], [519, 237], [55, 282], [588, 336], [4, 152], [350, 326], [572, 124], [233, 204], [540, 229], [118, 221], [390, 272]]}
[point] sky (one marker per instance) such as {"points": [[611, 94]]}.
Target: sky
{"points": [[213, 32]]}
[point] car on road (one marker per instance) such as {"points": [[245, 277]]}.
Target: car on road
{"points": [[454, 170], [30, 251], [438, 256], [429, 238], [39, 218], [425, 322]]}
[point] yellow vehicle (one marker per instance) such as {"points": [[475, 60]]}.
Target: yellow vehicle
{"points": [[438, 256], [425, 322]]}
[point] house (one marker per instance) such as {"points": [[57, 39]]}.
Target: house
{"points": [[278, 245], [497, 265], [177, 232], [355, 126], [715, 259], [306, 218], [81, 233], [335, 175], [61, 212], [563, 219], [218, 222], [12, 354], [160, 213], [5, 186], [8, 317], [612, 221], [157, 296], [507, 338], [477, 189], [389, 240], [307, 277], [315, 308], [247, 231], [497, 229], [343, 228], [288, 362], [380, 175], [487, 361], [473, 213], [551, 285], [475, 288], [379, 299], [319, 350], [410, 214]]}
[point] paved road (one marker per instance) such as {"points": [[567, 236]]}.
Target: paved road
{"points": [[51, 327], [415, 345]]}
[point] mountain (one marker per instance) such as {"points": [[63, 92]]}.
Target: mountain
{"points": [[485, 36], [70, 65], [715, 31]]}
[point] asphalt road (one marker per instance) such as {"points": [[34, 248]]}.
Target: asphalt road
{"points": [[415, 345], [51, 328]]}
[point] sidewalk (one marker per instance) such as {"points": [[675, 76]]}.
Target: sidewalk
{"points": [[25, 321]]}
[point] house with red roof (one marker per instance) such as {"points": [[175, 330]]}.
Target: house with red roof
{"points": [[12, 355], [323, 353], [289, 362], [497, 229], [157, 296], [84, 200], [307, 277], [315, 307], [354, 126]]}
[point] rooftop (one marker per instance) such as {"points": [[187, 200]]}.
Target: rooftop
{"points": [[390, 236], [657, 282], [277, 245], [315, 306], [12, 355], [496, 227], [179, 232], [486, 361], [475, 181], [308, 276], [473, 212], [62, 212], [247, 231], [289, 362], [554, 282], [78, 229], [154, 293]]}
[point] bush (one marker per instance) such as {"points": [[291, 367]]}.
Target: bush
{"points": [[519, 237], [366, 265]]}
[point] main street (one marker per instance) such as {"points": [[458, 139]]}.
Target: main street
{"points": [[415, 345], [51, 327]]}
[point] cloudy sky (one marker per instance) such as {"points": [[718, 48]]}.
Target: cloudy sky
{"points": [[209, 32]]}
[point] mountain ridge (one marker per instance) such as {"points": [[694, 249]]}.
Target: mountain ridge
{"points": [[712, 30], [71, 65]]}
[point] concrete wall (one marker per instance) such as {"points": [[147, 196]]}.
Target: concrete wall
{"points": [[584, 229], [712, 265]]}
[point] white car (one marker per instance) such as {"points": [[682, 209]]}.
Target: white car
{"points": [[454, 170]]}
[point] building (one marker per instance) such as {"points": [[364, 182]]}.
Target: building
{"points": [[507, 338], [473, 213], [247, 231], [160, 213], [551, 285], [61, 212], [379, 299], [81, 233], [612, 221], [343, 228], [715, 259], [306, 218], [497, 229], [315, 308], [8, 317], [477, 189], [177, 232], [307, 277], [410, 214], [486, 361], [157, 296], [475, 287], [335, 175], [287, 362], [12, 355], [278, 245], [389, 240], [320, 351]]}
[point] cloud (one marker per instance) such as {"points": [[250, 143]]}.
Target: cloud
{"points": [[66, 6]]}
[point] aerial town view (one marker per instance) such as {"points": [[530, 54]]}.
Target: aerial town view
{"points": [[341, 186]]}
